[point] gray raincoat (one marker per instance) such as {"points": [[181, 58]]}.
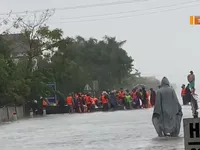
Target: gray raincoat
{"points": [[167, 113]]}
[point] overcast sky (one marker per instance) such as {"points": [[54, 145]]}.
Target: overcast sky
{"points": [[163, 43]]}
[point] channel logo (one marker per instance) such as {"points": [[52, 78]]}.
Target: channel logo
{"points": [[195, 20]]}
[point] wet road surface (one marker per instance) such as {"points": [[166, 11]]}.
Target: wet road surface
{"points": [[121, 130]]}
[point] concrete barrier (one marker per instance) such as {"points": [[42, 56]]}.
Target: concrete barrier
{"points": [[11, 110], [3, 114], [20, 112], [6, 113]]}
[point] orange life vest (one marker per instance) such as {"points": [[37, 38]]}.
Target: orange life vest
{"points": [[134, 96], [88, 99], [183, 92], [104, 100], [44, 103], [95, 99], [69, 100]]}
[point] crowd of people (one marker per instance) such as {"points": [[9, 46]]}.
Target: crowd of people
{"points": [[167, 113], [136, 99]]}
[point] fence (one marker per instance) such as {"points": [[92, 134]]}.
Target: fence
{"points": [[6, 113]]}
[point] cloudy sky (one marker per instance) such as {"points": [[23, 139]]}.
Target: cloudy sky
{"points": [[159, 36]]}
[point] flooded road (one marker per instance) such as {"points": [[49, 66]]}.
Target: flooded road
{"points": [[122, 130]]}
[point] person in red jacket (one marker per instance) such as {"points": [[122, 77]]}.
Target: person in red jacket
{"points": [[183, 94], [88, 102], [69, 101], [122, 96], [104, 100]]}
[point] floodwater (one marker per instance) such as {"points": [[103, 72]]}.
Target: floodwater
{"points": [[121, 130]]}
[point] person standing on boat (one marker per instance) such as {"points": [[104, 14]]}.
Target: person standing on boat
{"points": [[188, 94], [69, 102], [194, 103], [191, 79], [183, 94]]}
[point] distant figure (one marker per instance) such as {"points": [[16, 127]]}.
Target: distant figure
{"points": [[69, 102], [104, 100], [188, 94], [144, 98], [152, 97], [113, 100], [183, 94], [167, 113], [194, 104], [128, 101], [191, 79]]}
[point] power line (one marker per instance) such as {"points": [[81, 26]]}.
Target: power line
{"points": [[132, 11], [130, 16], [79, 6]]}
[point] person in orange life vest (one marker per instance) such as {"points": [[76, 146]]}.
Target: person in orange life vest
{"points": [[88, 102], [183, 94], [95, 100], [121, 96], [69, 101], [104, 100], [44, 103]]}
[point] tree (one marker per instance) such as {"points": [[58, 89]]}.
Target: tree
{"points": [[36, 38], [79, 61], [13, 88], [48, 56]]}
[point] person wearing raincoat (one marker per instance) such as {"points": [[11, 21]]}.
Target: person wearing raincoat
{"points": [[167, 112]]}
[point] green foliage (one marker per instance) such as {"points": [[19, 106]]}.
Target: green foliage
{"points": [[79, 61], [70, 62]]}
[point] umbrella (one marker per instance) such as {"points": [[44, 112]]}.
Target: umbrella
{"points": [[139, 86]]}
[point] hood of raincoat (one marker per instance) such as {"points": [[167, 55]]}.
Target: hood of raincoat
{"points": [[165, 82]]}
